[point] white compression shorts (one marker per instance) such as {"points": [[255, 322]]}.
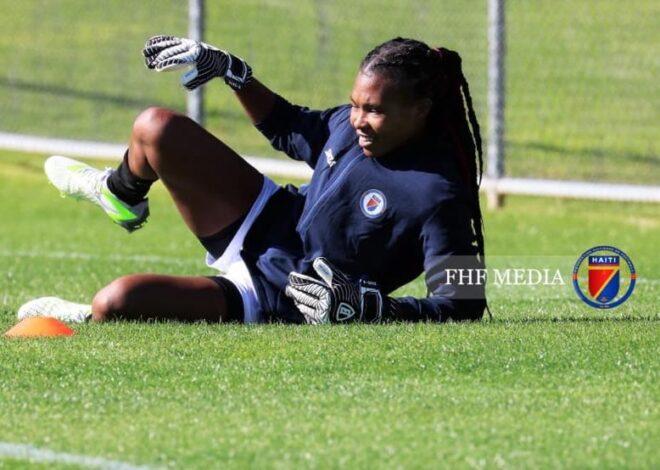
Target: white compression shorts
{"points": [[232, 265]]}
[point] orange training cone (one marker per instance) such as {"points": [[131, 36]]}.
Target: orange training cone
{"points": [[39, 326]]}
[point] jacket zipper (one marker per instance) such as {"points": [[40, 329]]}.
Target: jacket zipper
{"points": [[304, 222]]}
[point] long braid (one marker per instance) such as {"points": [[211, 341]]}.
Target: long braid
{"points": [[470, 132], [437, 74]]}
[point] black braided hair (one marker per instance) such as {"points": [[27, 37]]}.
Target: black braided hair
{"points": [[437, 74]]}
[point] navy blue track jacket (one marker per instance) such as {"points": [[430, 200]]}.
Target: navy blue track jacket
{"points": [[387, 219]]}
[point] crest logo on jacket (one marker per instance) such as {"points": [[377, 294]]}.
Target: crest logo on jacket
{"points": [[373, 203]]}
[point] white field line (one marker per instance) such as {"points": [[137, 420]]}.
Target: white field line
{"points": [[72, 255], [27, 452]]}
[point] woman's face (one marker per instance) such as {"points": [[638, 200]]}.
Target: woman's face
{"points": [[383, 115]]}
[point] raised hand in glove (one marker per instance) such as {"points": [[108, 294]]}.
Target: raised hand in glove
{"points": [[163, 53], [335, 298]]}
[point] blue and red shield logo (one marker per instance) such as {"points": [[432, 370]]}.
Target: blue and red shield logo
{"points": [[373, 203], [603, 278]]}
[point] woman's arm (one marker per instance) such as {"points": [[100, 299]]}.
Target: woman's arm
{"points": [[454, 274], [257, 100], [295, 130]]}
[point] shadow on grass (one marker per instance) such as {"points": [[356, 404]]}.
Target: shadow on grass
{"points": [[63, 91], [118, 100], [624, 319]]}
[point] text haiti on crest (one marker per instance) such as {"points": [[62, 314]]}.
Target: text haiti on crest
{"points": [[504, 277]]}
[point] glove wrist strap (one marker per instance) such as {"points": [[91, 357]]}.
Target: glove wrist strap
{"points": [[238, 73], [371, 302]]}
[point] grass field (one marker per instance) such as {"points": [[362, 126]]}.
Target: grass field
{"points": [[548, 382], [582, 88]]}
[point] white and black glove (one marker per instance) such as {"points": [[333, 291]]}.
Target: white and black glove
{"points": [[335, 298], [164, 53]]}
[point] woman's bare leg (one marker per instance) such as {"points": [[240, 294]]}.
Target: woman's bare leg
{"points": [[211, 185], [160, 297]]}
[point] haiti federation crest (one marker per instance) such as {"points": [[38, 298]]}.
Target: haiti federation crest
{"points": [[373, 203], [601, 280]]}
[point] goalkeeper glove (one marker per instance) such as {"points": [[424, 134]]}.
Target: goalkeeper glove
{"points": [[335, 298], [163, 53]]}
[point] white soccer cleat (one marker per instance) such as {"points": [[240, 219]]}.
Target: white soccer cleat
{"points": [[57, 308], [81, 181]]}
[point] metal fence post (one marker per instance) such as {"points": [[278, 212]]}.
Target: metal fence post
{"points": [[195, 99], [496, 99]]}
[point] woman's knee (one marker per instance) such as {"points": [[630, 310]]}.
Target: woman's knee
{"points": [[153, 126], [113, 300]]}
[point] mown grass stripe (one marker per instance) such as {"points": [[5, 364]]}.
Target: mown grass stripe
{"points": [[95, 257]]}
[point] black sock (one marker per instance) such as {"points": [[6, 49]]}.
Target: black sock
{"points": [[126, 186]]}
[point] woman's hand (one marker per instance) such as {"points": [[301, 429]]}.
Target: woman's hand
{"points": [[165, 53], [335, 298]]}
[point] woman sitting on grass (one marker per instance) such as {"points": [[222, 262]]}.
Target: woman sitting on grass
{"points": [[394, 193]]}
